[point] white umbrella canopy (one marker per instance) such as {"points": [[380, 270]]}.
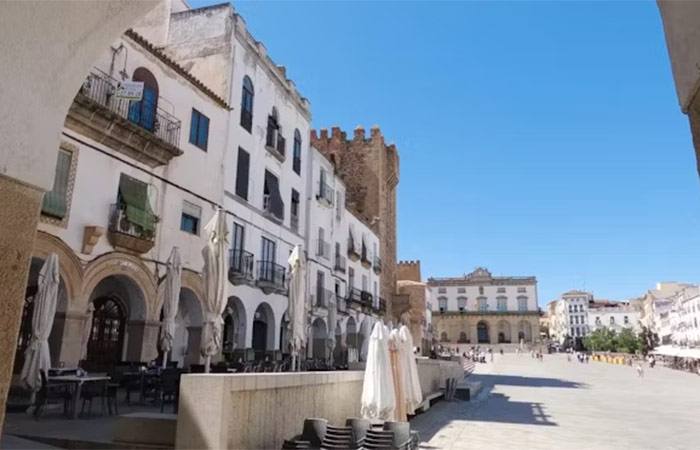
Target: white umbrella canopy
{"points": [[37, 356], [214, 274], [171, 301], [378, 399], [413, 395], [87, 330], [297, 302]]}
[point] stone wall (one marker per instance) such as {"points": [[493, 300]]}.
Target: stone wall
{"points": [[370, 170], [414, 315], [408, 270], [261, 410]]}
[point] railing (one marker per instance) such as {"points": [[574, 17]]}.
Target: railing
{"points": [[366, 298], [325, 193], [271, 273], [100, 88], [354, 295], [119, 222], [377, 264], [323, 249], [340, 263], [323, 297], [241, 263]]}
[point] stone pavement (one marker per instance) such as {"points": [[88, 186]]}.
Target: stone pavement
{"points": [[555, 404]]}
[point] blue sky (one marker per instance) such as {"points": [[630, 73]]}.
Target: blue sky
{"points": [[536, 138]]}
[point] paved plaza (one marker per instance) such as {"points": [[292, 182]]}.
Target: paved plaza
{"points": [[557, 404]]}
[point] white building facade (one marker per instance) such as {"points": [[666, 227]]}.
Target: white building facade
{"points": [[570, 316], [685, 317], [614, 318]]}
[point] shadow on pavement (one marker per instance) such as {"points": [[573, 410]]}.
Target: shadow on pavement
{"points": [[494, 380], [500, 408]]}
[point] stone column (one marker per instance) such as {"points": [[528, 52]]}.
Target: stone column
{"points": [[70, 339], [194, 341], [18, 219], [143, 340]]}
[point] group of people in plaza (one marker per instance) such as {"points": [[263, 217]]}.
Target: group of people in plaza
{"points": [[581, 356]]}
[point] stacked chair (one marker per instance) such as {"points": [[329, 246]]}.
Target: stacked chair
{"points": [[359, 434]]}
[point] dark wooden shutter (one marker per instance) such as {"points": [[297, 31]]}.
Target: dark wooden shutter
{"points": [[242, 174]]}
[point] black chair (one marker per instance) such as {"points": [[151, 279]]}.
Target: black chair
{"points": [[51, 391], [338, 438], [116, 380], [93, 390], [196, 368], [172, 364], [402, 434], [359, 427], [169, 387], [314, 431]]}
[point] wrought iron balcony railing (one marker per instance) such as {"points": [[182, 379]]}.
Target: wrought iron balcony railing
{"points": [[325, 193], [241, 265], [272, 275]]}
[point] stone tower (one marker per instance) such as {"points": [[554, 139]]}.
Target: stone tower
{"points": [[370, 170]]}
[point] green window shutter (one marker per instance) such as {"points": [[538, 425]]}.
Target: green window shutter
{"points": [[134, 193], [55, 202]]}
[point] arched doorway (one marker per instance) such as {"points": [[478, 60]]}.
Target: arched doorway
{"points": [[118, 325], [482, 332], [524, 331], [143, 112], [319, 336], [263, 331], [463, 338], [503, 332], [25, 331], [189, 317], [338, 356], [234, 329], [351, 334]]}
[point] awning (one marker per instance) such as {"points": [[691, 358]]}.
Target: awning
{"points": [[134, 193], [273, 189]]}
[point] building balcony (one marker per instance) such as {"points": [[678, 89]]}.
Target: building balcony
{"points": [[132, 231], [364, 258], [354, 297], [322, 298], [353, 252], [140, 130], [325, 194], [275, 144], [323, 249], [377, 264], [340, 264], [272, 277], [381, 306], [241, 267], [366, 298]]}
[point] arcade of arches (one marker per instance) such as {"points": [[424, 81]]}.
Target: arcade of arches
{"points": [[125, 300], [476, 329]]}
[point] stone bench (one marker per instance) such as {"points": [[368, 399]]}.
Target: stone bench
{"points": [[146, 428], [428, 400]]}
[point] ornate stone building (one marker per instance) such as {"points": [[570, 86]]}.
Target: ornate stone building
{"points": [[479, 308], [370, 170]]}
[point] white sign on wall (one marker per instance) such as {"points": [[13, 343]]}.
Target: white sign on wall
{"points": [[129, 90]]}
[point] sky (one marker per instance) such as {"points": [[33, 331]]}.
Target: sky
{"points": [[536, 138]]}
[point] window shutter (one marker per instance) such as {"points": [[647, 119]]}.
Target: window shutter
{"points": [[191, 209], [138, 209], [55, 202], [242, 174]]}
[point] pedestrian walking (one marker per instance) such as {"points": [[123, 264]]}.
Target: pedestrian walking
{"points": [[640, 370]]}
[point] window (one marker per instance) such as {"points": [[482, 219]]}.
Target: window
{"points": [[482, 304], [295, 210], [374, 291], [247, 104], [143, 112], [296, 156], [320, 286], [461, 290], [501, 290], [612, 320], [442, 290], [626, 320], [239, 261], [502, 304], [364, 283], [133, 201], [199, 129], [351, 278], [238, 236], [443, 337], [571, 309], [522, 304], [481, 290], [272, 202], [274, 139], [269, 250], [191, 215], [572, 332], [55, 203], [242, 173], [576, 320], [462, 337], [442, 304], [521, 289], [462, 303], [338, 205]]}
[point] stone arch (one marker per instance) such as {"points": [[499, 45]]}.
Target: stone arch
{"points": [[69, 266], [463, 337], [189, 280], [443, 337], [121, 264], [319, 334], [503, 330], [188, 326], [524, 331], [351, 333], [263, 330], [483, 332], [235, 328]]}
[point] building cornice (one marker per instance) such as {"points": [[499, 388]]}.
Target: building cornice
{"points": [[494, 281]]}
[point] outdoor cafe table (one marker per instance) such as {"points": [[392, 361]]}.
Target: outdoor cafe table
{"points": [[77, 383]]}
